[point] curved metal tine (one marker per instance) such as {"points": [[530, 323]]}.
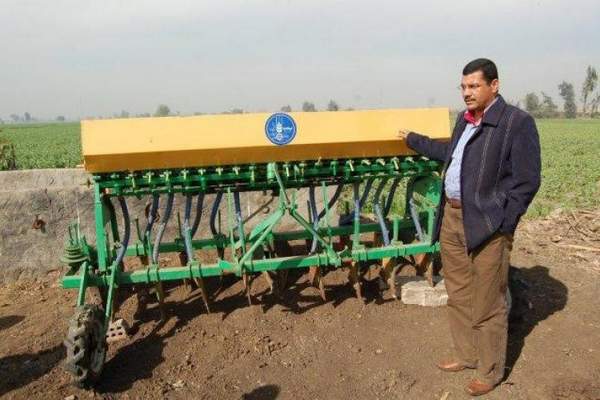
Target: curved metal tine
{"points": [[156, 251], [118, 262], [142, 292], [188, 233], [386, 277]]}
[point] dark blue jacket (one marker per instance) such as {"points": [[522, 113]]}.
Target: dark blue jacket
{"points": [[500, 171]]}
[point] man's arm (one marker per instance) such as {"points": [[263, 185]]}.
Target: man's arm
{"points": [[432, 149], [525, 162]]}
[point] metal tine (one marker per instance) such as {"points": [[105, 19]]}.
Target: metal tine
{"points": [[187, 233], [122, 245], [142, 293], [388, 265], [199, 281], [156, 251], [315, 276]]}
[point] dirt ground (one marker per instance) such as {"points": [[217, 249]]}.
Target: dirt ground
{"points": [[301, 348]]}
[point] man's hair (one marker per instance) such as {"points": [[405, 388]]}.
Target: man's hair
{"points": [[487, 68]]}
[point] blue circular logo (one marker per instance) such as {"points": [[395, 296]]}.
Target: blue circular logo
{"points": [[280, 129]]}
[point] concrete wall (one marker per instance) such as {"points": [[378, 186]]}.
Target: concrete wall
{"points": [[60, 196]]}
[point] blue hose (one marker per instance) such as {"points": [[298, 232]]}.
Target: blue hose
{"points": [[199, 209], [187, 240], [213, 212], [151, 216], [126, 234], [162, 227]]}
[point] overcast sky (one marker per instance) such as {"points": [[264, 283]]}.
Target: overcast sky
{"points": [[87, 58]]}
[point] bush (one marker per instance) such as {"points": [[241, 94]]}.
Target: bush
{"points": [[8, 160]]}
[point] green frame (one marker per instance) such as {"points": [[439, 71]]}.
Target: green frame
{"points": [[96, 265]]}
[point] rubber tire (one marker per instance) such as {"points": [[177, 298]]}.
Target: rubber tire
{"points": [[86, 345]]}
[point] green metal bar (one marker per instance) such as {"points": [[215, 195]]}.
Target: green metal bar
{"points": [[280, 183], [326, 204], [320, 238], [259, 242], [356, 220], [230, 225], [83, 283], [112, 284], [101, 242], [137, 249], [153, 274]]}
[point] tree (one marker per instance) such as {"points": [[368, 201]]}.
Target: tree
{"points": [[15, 117], [60, 118], [547, 108], [124, 114], [594, 104], [532, 104], [286, 109], [308, 107], [568, 94], [27, 117], [516, 103], [237, 111], [589, 84], [162, 111], [332, 106]]}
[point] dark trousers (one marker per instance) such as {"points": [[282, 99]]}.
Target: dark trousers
{"points": [[476, 285]]}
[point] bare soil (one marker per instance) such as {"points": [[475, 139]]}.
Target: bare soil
{"points": [[299, 347]]}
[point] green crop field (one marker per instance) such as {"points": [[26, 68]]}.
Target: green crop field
{"points": [[570, 158], [570, 165], [55, 145]]}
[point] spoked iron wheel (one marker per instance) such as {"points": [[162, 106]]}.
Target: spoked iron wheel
{"points": [[86, 345]]}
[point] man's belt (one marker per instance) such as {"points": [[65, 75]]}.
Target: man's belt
{"points": [[454, 203]]}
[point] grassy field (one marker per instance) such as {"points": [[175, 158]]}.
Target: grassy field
{"points": [[55, 145], [570, 165], [570, 158]]}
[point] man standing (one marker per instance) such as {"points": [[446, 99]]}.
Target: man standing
{"points": [[491, 174]]}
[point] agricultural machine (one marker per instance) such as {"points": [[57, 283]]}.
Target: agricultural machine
{"points": [[369, 202]]}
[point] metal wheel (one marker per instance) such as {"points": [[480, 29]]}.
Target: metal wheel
{"points": [[86, 345]]}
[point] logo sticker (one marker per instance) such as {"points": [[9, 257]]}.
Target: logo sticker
{"points": [[280, 129]]}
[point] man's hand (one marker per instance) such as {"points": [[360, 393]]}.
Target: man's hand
{"points": [[402, 134]]}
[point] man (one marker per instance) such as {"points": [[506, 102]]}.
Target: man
{"points": [[490, 176]]}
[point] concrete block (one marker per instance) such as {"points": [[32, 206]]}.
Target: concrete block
{"points": [[417, 291]]}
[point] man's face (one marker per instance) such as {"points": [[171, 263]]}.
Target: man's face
{"points": [[476, 92]]}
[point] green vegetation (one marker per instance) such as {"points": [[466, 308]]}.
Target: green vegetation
{"points": [[570, 165], [55, 145], [570, 158]]}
